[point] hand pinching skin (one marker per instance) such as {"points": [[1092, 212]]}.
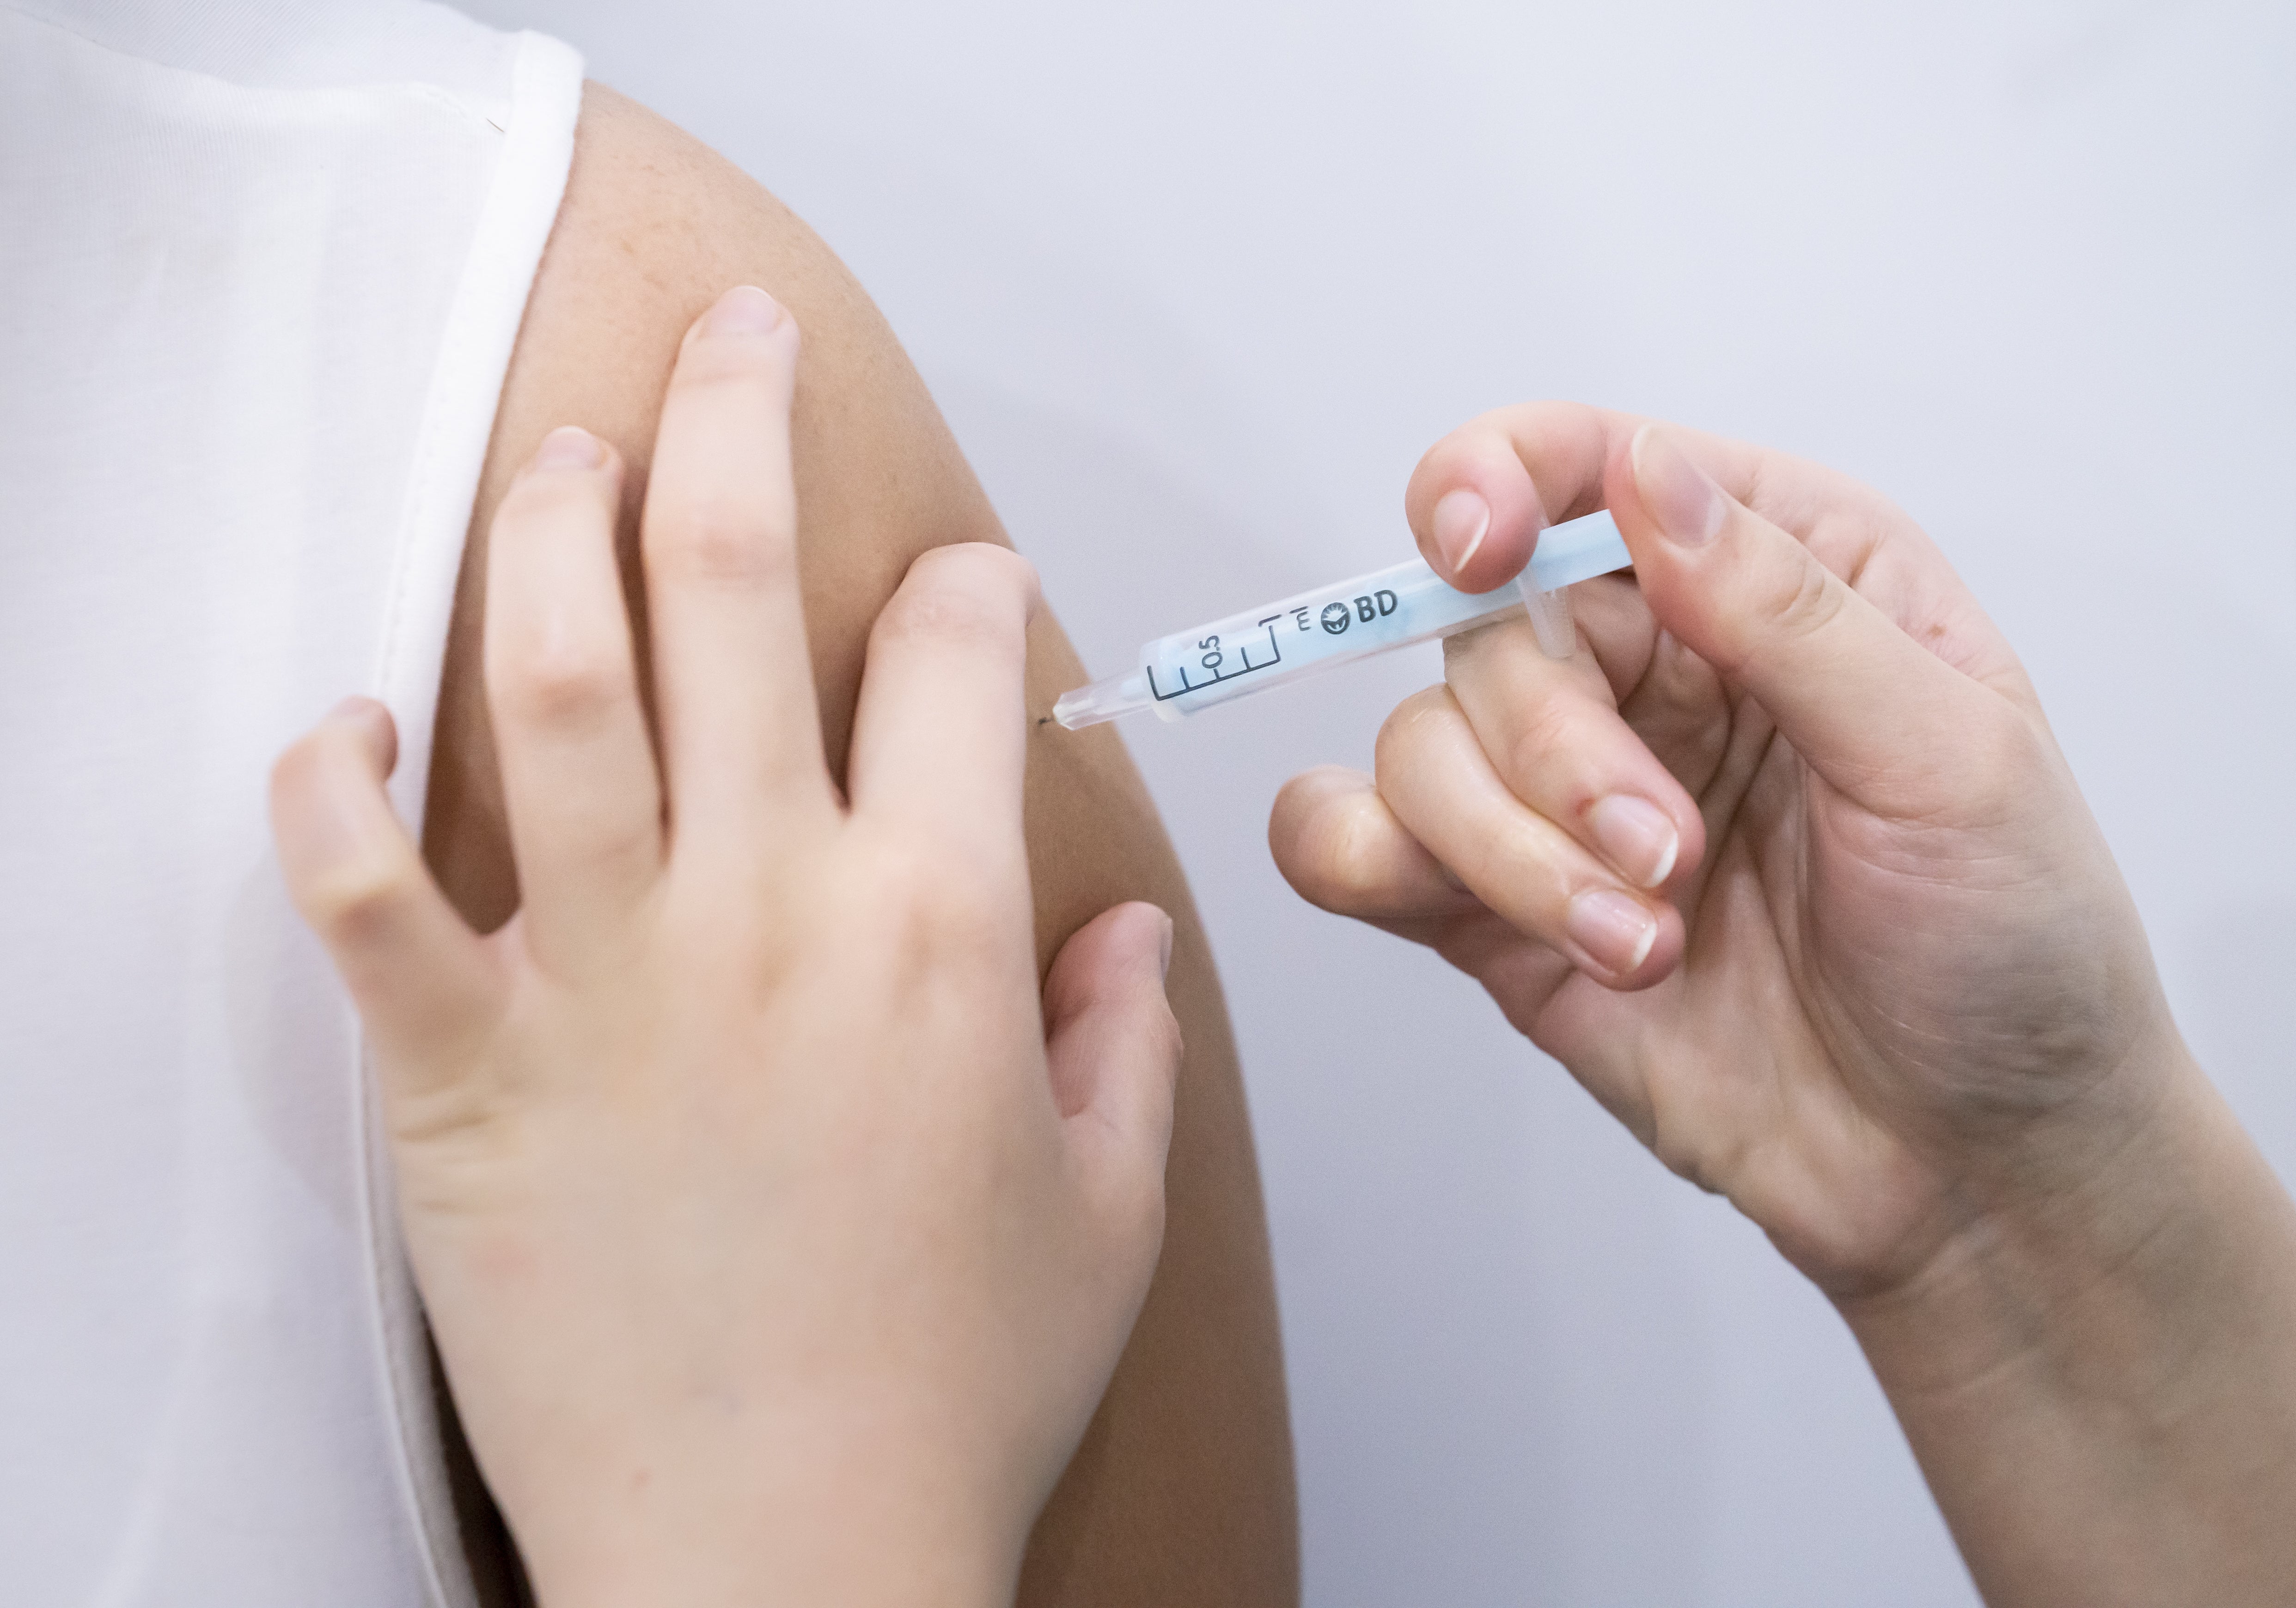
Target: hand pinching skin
{"points": [[779, 1235]]}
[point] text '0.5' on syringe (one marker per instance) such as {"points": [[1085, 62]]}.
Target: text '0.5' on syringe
{"points": [[1283, 642]]}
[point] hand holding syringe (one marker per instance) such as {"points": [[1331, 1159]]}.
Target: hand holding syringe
{"points": [[1256, 649], [1864, 965]]}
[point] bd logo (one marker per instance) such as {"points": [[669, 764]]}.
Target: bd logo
{"points": [[1377, 605]]}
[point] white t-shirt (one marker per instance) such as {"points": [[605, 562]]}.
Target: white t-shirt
{"points": [[261, 267]]}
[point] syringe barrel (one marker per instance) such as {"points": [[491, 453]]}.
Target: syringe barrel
{"points": [[1315, 630]]}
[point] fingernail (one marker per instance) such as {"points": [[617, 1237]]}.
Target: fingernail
{"points": [[570, 447], [1165, 964], [1462, 520], [1687, 505], [743, 310], [1612, 928], [1638, 835]]}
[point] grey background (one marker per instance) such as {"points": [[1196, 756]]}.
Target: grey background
{"points": [[1197, 281]]}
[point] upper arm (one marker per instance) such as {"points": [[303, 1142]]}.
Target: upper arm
{"points": [[1183, 1490], [654, 228]]}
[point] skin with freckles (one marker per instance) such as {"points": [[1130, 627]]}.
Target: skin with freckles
{"points": [[1785, 866], [778, 1237]]}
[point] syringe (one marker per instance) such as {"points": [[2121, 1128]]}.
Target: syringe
{"points": [[1282, 642]]}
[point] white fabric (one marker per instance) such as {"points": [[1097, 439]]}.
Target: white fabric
{"points": [[261, 267]]}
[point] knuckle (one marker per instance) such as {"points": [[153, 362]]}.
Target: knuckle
{"points": [[723, 539], [997, 570], [1984, 778], [956, 599], [1544, 733], [1405, 728], [2002, 755], [300, 777], [1547, 417], [991, 565], [1346, 856], [713, 361], [2013, 745], [1798, 599], [1691, 1156], [561, 683], [958, 907], [354, 900], [1172, 1046], [297, 769], [611, 837], [939, 907], [542, 502]]}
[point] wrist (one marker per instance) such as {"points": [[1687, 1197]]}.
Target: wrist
{"points": [[849, 1565], [2112, 1214], [2094, 1370], [775, 1523]]}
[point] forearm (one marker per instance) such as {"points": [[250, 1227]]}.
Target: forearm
{"points": [[2101, 1386]]}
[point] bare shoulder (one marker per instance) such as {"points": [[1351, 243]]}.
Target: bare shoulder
{"points": [[1183, 1490], [655, 227]]}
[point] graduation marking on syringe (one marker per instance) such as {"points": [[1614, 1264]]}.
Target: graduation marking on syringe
{"points": [[1376, 613], [1214, 656]]}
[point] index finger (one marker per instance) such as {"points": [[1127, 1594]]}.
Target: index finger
{"points": [[1481, 495]]}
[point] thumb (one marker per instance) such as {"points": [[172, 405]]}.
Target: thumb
{"points": [[1114, 1050], [1873, 711], [422, 979]]}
